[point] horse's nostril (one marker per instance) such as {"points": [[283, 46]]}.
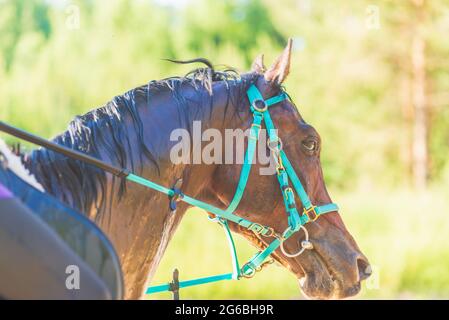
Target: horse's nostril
{"points": [[364, 267]]}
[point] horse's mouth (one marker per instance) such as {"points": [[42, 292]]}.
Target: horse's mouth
{"points": [[324, 282]]}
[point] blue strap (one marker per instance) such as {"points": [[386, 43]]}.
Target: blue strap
{"points": [[276, 99], [260, 257], [247, 164], [294, 219], [200, 204], [254, 94], [295, 181], [234, 258], [326, 208], [289, 200], [189, 283], [235, 275], [256, 261]]}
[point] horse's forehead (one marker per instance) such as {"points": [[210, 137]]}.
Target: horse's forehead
{"points": [[287, 114]]}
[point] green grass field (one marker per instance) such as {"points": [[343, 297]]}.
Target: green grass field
{"points": [[404, 234]]}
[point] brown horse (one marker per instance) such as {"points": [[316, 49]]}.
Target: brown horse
{"points": [[133, 131]]}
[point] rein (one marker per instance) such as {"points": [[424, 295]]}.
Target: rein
{"points": [[285, 174]]}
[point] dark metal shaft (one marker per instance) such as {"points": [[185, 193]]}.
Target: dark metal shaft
{"points": [[62, 149]]}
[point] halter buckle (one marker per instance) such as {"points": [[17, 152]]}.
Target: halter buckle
{"points": [[271, 233], [256, 228], [258, 109], [254, 125], [279, 167], [308, 211], [288, 190]]}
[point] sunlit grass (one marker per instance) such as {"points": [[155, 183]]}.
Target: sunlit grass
{"points": [[405, 235]]}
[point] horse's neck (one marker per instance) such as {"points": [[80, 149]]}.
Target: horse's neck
{"points": [[140, 223]]}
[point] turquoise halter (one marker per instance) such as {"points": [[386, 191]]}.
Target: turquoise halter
{"points": [[285, 173]]}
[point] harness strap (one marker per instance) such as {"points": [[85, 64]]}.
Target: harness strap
{"points": [[202, 205], [246, 168], [294, 219], [276, 99], [235, 261], [189, 283], [295, 181], [319, 210]]}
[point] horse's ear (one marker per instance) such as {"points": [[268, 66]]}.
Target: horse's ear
{"points": [[281, 67], [258, 65]]}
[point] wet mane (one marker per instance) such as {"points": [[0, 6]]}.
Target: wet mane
{"points": [[101, 132]]}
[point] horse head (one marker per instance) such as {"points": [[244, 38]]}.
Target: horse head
{"points": [[335, 267]]}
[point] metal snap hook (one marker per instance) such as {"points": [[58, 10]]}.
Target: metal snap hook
{"points": [[305, 244], [275, 145]]}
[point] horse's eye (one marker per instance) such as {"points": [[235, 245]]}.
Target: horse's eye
{"points": [[310, 145]]}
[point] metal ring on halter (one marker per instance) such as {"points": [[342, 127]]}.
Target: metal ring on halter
{"points": [[305, 245], [255, 107], [275, 148]]}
